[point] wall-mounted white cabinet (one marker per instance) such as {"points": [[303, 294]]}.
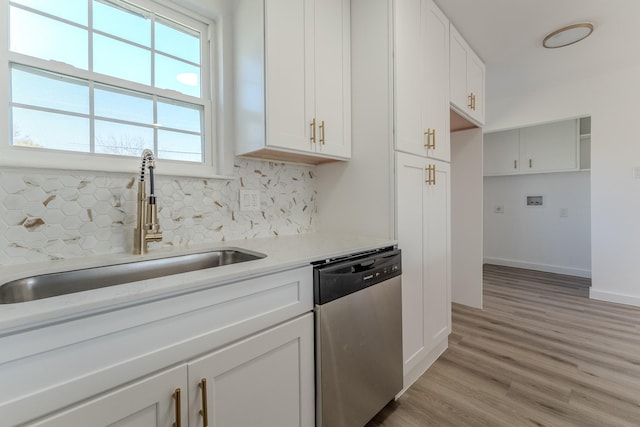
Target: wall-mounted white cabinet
{"points": [[467, 85], [421, 76], [292, 86], [551, 147], [424, 229]]}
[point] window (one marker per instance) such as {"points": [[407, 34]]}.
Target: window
{"points": [[108, 78]]}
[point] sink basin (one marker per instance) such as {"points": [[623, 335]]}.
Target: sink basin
{"points": [[66, 282]]}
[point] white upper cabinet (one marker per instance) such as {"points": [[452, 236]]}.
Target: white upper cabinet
{"points": [[551, 147], [421, 79], [502, 152], [293, 91], [467, 79]]}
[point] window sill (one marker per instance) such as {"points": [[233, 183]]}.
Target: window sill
{"points": [[37, 159]]}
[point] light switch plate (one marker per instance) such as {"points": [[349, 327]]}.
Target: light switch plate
{"points": [[249, 200]]}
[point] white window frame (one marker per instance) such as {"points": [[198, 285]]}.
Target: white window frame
{"points": [[26, 157]]}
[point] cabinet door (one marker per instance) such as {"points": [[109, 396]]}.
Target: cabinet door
{"points": [[411, 191], [421, 79], [264, 380], [289, 64], [475, 85], [435, 99], [146, 403], [333, 77], [423, 227], [550, 147], [437, 282], [409, 61], [458, 71], [501, 152]]}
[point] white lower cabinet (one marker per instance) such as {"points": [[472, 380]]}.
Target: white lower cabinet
{"points": [[424, 228], [240, 353], [151, 402], [264, 380]]}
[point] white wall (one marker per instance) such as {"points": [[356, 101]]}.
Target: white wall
{"points": [[538, 237], [611, 101], [358, 196], [466, 217]]}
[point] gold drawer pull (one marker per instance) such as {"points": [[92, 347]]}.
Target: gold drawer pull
{"points": [[176, 396], [313, 130], [321, 132], [203, 411]]}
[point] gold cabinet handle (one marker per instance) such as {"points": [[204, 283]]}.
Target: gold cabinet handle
{"points": [[470, 101], [313, 130], [530, 163], [431, 139], [176, 396], [321, 132], [431, 175], [473, 101], [203, 411]]}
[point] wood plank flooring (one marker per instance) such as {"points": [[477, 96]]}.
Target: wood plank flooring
{"points": [[539, 354]]}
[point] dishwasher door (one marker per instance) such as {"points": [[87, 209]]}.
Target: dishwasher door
{"points": [[358, 354]]}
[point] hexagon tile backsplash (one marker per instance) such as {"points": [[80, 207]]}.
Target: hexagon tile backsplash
{"points": [[50, 215]]}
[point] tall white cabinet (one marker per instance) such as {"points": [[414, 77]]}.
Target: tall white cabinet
{"points": [[421, 112], [421, 57], [424, 230]]}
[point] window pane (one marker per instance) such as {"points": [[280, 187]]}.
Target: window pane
{"points": [[179, 115], [125, 140], [178, 41], [46, 38], [50, 130], [123, 105], [179, 146], [72, 10], [177, 75], [121, 60], [48, 90], [131, 24]]}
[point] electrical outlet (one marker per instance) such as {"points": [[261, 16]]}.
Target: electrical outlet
{"points": [[498, 209], [249, 200]]}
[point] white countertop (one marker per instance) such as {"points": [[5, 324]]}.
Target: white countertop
{"points": [[284, 252]]}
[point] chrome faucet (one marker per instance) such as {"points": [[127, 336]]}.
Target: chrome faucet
{"points": [[147, 226]]}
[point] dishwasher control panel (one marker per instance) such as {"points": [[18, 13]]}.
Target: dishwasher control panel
{"points": [[335, 279]]}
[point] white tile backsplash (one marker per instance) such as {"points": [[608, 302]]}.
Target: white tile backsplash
{"points": [[50, 215]]}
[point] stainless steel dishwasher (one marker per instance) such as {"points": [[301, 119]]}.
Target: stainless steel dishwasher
{"points": [[358, 322]]}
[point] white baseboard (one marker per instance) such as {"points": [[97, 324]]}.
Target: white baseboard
{"points": [[614, 297], [539, 267]]}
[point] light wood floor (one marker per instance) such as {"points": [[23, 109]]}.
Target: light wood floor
{"points": [[539, 354]]}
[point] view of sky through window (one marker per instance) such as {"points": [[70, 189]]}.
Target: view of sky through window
{"points": [[105, 76]]}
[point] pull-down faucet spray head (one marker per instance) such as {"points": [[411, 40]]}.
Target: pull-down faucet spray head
{"points": [[147, 226]]}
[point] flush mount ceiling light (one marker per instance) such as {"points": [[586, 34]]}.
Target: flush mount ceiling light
{"points": [[568, 35]]}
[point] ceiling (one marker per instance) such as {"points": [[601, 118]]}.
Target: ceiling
{"points": [[507, 35]]}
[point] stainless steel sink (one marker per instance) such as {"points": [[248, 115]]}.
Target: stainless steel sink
{"points": [[66, 282]]}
